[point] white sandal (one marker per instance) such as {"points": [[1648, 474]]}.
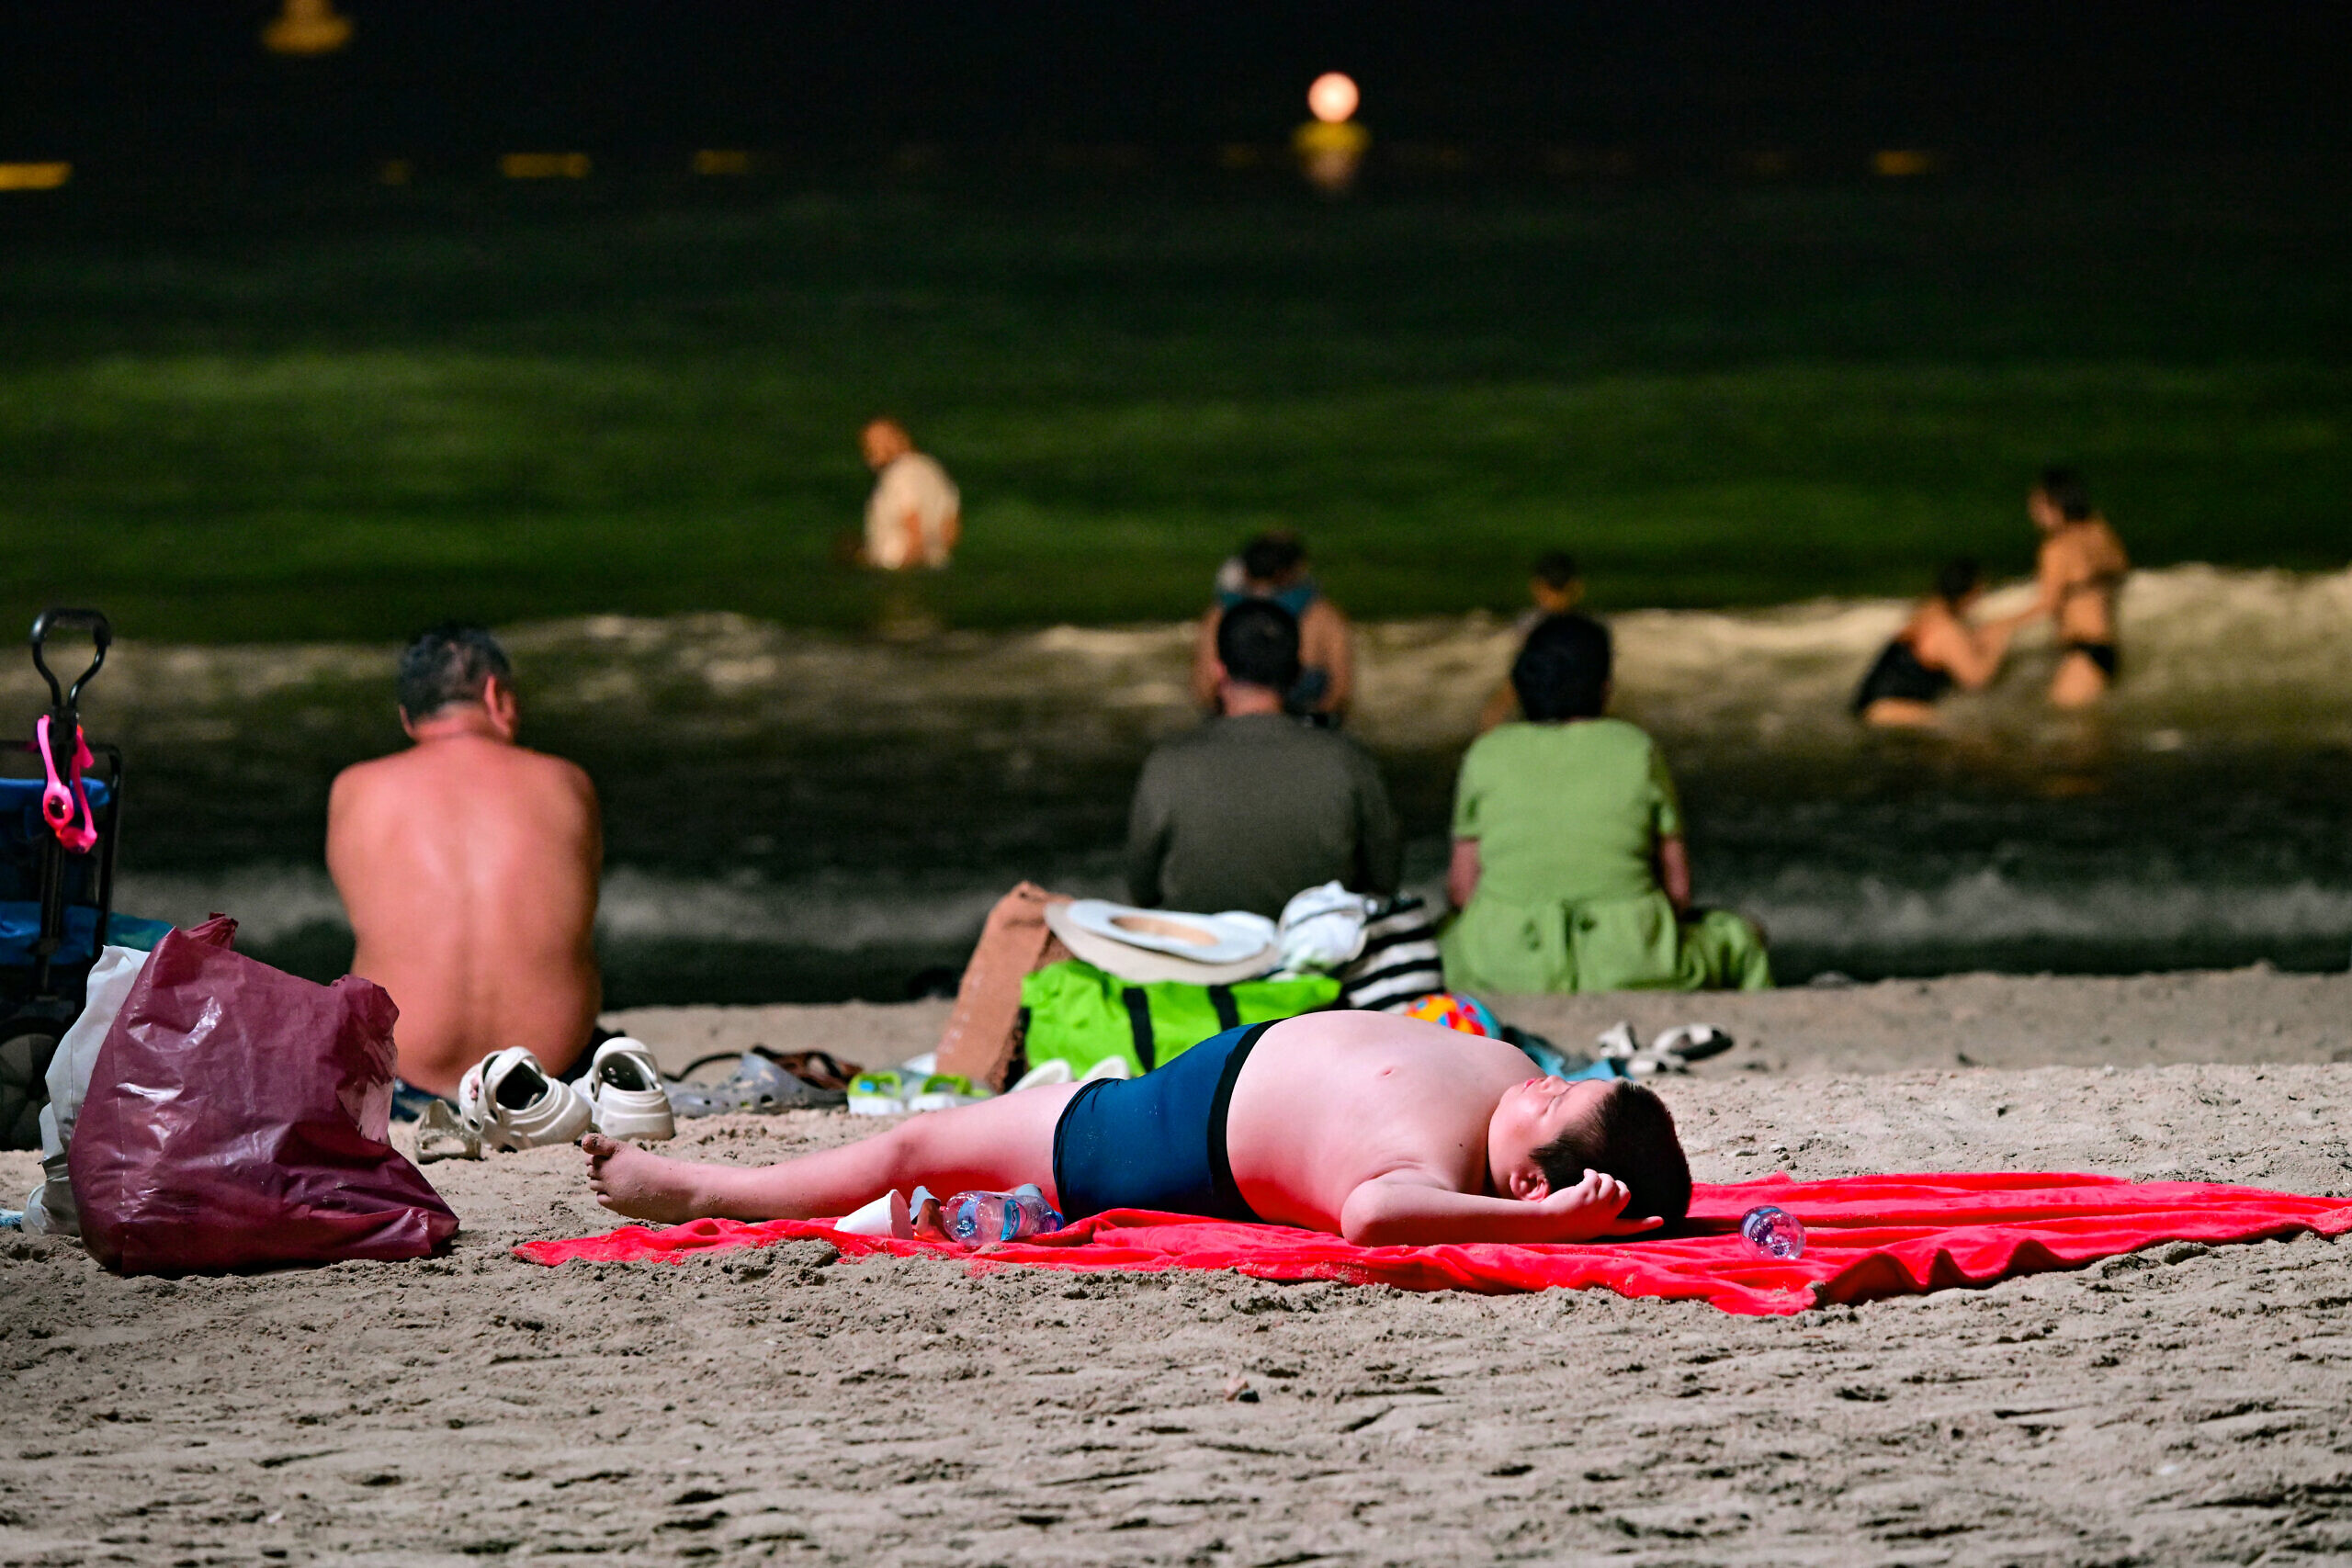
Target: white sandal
{"points": [[508, 1101], [624, 1092]]}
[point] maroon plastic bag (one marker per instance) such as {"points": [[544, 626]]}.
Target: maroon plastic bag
{"points": [[237, 1116]]}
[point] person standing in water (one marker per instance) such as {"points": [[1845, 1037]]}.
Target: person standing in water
{"points": [[914, 517], [2081, 569], [1936, 649]]}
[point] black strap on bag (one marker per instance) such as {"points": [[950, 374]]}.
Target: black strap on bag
{"points": [[1228, 1012], [1139, 1023]]}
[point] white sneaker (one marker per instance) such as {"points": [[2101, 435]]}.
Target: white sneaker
{"points": [[507, 1101], [624, 1092]]}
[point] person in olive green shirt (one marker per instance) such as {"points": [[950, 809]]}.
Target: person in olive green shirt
{"points": [[1256, 805], [1569, 868]]}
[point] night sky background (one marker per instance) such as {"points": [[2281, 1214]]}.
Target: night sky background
{"points": [[125, 91]]}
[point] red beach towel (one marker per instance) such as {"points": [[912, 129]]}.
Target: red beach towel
{"points": [[1867, 1236]]}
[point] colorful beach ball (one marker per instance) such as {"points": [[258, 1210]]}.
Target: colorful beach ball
{"points": [[1467, 1014]]}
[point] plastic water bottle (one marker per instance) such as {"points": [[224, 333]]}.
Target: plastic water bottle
{"points": [[1773, 1233], [975, 1219]]}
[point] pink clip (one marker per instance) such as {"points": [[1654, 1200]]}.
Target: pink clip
{"points": [[63, 801]]}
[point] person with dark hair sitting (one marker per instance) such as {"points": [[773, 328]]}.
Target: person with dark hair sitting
{"points": [[1254, 804], [1936, 649], [469, 868], [1385, 1129], [1569, 868], [2080, 572], [1273, 567]]}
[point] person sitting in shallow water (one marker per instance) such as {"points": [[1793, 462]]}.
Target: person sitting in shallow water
{"points": [[1937, 649], [1385, 1129], [1568, 863], [2080, 572], [1555, 588], [1274, 567]]}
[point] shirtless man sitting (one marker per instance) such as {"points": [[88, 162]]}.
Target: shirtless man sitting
{"points": [[468, 866], [1385, 1129]]}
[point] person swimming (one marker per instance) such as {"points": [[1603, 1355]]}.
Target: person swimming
{"points": [[1936, 649], [2080, 572]]}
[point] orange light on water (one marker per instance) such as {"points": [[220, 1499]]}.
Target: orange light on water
{"points": [[1332, 98], [34, 177], [307, 27], [544, 166], [1902, 162], [722, 161]]}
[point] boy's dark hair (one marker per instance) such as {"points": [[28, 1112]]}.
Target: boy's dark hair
{"points": [[1563, 670], [1257, 641], [1271, 556], [451, 663], [1630, 1135], [1556, 569], [1956, 580], [2067, 492]]}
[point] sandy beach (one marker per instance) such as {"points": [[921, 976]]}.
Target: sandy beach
{"points": [[2182, 1405]]}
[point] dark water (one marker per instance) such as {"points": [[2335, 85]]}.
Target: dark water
{"points": [[803, 817]]}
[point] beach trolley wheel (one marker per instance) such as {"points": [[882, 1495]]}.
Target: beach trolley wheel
{"points": [[27, 1042]]}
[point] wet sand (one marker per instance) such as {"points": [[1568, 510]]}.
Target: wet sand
{"points": [[2182, 1405]]}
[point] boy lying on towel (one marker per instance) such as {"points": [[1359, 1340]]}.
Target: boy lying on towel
{"points": [[1385, 1129]]}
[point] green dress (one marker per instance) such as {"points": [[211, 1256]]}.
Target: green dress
{"points": [[1568, 818]]}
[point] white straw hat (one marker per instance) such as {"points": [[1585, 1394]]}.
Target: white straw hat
{"points": [[1144, 945]]}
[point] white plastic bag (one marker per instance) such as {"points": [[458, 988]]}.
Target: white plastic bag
{"points": [[50, 1207], [1322, 929]]}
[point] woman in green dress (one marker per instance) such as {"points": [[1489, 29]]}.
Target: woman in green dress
{"points": [[1569, 868]]}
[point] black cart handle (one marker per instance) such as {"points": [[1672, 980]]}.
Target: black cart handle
{"points": [[69, 699]]}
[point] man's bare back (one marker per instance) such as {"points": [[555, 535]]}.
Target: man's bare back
{"points": [[469, 868], [1381, 1129]]}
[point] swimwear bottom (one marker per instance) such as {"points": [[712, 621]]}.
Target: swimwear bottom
{"points": [[1156, 1142], [2099, 653], [1899, 675]]}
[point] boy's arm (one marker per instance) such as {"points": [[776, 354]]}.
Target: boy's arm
{"points": [[1407, 1208]]}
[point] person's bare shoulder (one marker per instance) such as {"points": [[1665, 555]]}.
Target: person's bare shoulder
{"points": [[362, 782], [1325, 615], [560, 773]]}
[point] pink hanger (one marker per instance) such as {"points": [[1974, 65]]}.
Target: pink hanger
{"points": [[62, 802]]}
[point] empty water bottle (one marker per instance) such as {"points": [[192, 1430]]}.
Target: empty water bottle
{"points": [[1773, 1233], [973, 1219]]}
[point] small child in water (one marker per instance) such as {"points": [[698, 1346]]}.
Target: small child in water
{"points": [[1385, 1129]]}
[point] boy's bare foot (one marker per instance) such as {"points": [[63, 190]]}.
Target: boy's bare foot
{"points": [[628, 1180]]}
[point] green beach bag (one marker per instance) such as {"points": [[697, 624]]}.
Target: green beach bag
{"points": [[1081, 1015]]}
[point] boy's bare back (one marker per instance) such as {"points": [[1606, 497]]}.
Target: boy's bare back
{"points": [[1331, 1101]]}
